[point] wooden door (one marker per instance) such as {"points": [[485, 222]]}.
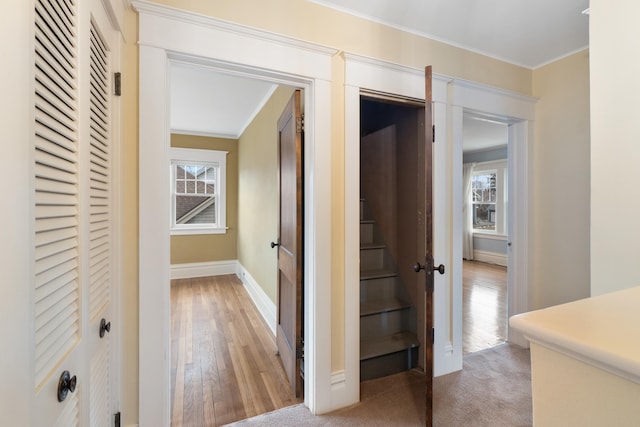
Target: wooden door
{"points": [[428, 258], [72, 240], [289, 325]]}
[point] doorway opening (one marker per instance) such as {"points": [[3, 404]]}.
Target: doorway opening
{"points": [[391, 225], [484, 232], [226, 298]]}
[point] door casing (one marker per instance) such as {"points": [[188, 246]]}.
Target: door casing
{"points": [[451, 96], [167, 34]]}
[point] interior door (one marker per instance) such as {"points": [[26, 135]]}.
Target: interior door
{"points": [[290, 242], [98, 177], [428, 265], [72, 214]]}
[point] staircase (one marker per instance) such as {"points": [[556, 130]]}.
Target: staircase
{"points": [[387, 318]]}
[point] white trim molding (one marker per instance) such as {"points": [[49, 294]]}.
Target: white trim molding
{"points": [[490, 257], [261, 300], [452, 97], [203, 269], [167, 34]]}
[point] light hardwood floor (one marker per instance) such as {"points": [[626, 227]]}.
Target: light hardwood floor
{"points": [[224, 363], [484, 293]]}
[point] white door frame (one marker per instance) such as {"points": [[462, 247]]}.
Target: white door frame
{"points": [[169, 34], [451, 97], [518, 111]]}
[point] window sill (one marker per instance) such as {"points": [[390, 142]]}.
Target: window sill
{"points": [[194, 231]]}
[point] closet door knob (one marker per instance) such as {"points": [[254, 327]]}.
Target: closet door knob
{"points": [[104, 327], [66, 384]]}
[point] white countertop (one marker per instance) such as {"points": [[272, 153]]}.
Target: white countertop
{"points": [[603, 331]]}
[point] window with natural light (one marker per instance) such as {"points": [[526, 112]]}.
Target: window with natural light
{"points": [[488, 197], [198, 202], [483, 193]]}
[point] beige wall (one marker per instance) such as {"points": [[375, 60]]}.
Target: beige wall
{"points": [[615, 145], [258, 189], [312, 23], [560, 173], [315, 23], [210, 247]]}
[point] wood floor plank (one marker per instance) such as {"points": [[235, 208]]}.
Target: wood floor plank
{"points": [[484, 306], [224, 363]]}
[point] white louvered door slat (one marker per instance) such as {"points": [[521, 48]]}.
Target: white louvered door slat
{"points": [[73, 231], [100, 229], [56, 281]]}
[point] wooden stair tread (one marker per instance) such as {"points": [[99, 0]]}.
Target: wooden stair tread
{"points": [[376, 274], [380, 346], [372, 246], [382, 306]]}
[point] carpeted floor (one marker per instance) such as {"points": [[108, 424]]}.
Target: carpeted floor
{"points": [[493, 389]]}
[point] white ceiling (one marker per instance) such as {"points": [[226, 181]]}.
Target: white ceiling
{"points": [[530, 33], [479, 134], [204, 101]]}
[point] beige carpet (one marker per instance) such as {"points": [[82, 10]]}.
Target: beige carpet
{"points": [[493, 389]]}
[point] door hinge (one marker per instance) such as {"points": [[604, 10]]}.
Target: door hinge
{"points": [[433, 335], [117, 83], [433, 133], [300, 349], [300, 124], [116, 419]]}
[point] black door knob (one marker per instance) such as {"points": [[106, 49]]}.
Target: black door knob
{"points": [[66, 384], [417, 267], [104, 327], [274, 244]]}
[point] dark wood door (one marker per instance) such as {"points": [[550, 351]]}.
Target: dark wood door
{"points": [[289, 328], [428, 259]]}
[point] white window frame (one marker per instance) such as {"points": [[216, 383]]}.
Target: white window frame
{"points": [[213, 158], [500, 169]]}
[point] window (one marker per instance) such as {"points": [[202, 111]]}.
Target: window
{"points": [[488, 197], [198, 202], [483, 193]]}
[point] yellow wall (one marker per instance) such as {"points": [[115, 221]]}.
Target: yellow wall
{"points": [[318, 24], [560, 172], [211, 247], [615, 145], [314, 23], [258, 189]]}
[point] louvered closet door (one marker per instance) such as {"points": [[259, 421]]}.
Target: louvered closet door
{"points": [[99, 208], [73, 232]]}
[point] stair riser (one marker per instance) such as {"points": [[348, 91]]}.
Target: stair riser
{"points": [[366, 233], [369, 233], [382, 324], [377, 289], [373, 259], [365, 212], [388, 364]]}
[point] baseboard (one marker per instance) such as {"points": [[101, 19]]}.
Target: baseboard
{"points": [[263, 303], [338, 378], [203, 269], [490, 257], [448, 362]]}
